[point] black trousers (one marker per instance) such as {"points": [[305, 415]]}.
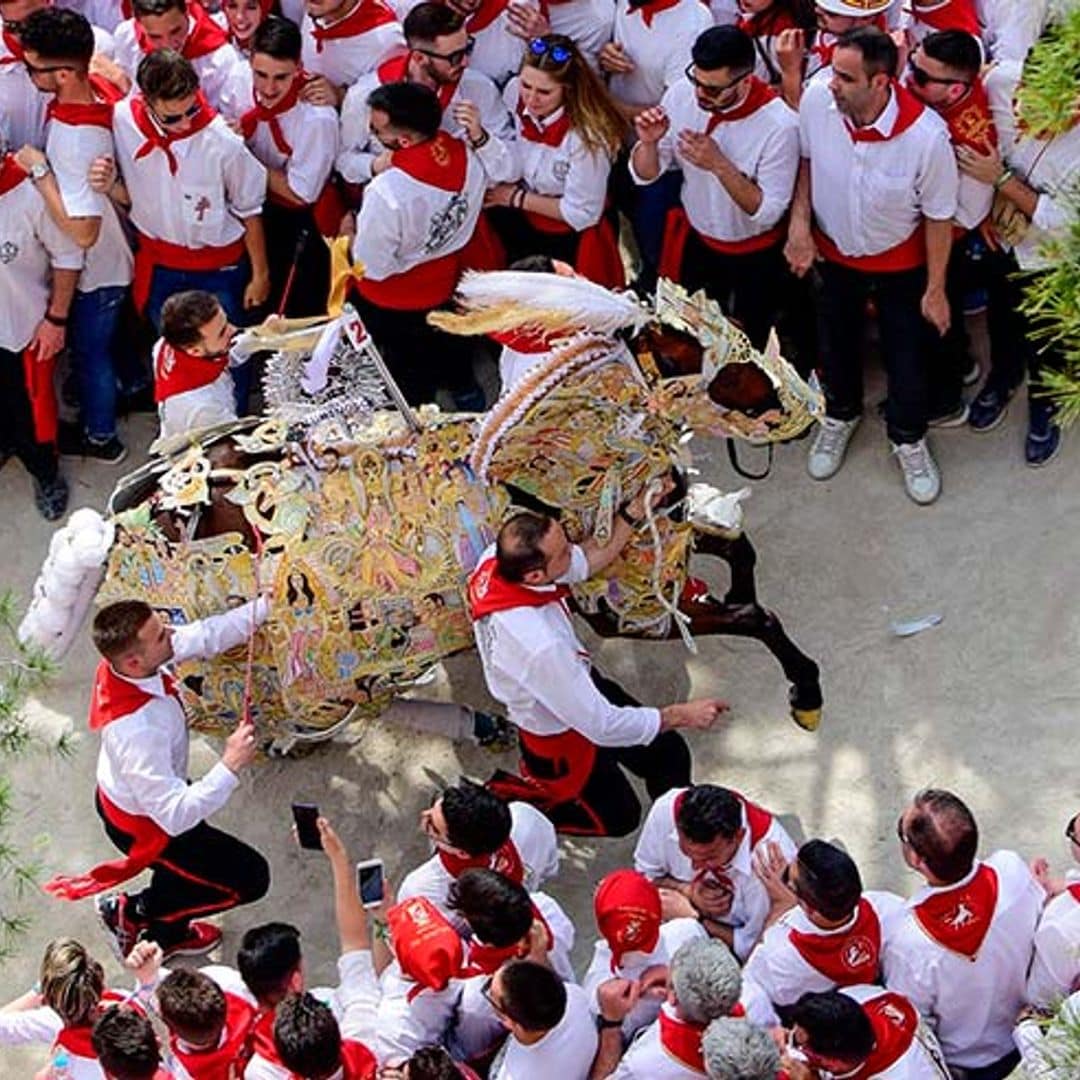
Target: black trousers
{"points": [[200, 872], [520, 239], [951, 359], [905, 344], [997, 1070], [310, 286], [747, 287], [17, 438], [608, 804]]}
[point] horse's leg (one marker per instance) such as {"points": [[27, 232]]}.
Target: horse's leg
{"points": [[741, 558]]}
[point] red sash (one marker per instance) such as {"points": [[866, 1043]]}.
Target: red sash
{"points": [[367, 15], [682, 1040], [677, 229], [948, 15], [650, 9], [958, 919], [481, 959], [850, 958], [505, 861], [358, 1062], [261, 114], [571, 757], [161, 140], [227, 1061], [970, 121], [906, 255], [204, 37], [895, 1022], [485, 15], [151, 252], [41, 390], [177, 371], [489, 591]]}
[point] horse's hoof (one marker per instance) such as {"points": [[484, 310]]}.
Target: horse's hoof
{"points": [[806, 702], [807, 719]]}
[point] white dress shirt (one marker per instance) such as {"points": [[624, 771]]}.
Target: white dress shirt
{"points": [[658, 855], [566, 1051], [344, 60], [535, 665], [1055, 967], [22, 105], [403, 1026], [143, 762], [31, 244], [587, 23], [763, 146], [312, 134], [868, 196], [647, 1059], [972, 1004], [1010, 29], [922, 1060]]}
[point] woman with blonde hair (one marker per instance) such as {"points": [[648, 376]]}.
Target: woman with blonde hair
{"points": [[568, 133]]}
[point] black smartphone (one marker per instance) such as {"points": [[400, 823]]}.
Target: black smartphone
{"points": [[369, 882], [307, 831]]}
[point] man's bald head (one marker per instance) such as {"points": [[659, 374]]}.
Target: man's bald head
{"points": [[518, 548], [941, 830]]}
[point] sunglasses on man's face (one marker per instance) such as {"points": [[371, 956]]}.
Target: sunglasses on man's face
{"points": [[924, 78], [486, 994], [1070, 829], [168, 119], [452, 58], [559, 53], [713, 90], [45, 69]]}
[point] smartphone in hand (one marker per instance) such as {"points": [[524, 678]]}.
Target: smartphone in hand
{"points": [[307, 831], [369, 882]]}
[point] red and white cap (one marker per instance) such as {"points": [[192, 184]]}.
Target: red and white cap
{"points": [[627, 906], [857, 9]]}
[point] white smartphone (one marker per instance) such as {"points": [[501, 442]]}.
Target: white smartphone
{"points": [[369, 882]]}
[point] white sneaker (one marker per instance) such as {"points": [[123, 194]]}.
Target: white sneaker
{"points": [[829, 446], [922, 481]]}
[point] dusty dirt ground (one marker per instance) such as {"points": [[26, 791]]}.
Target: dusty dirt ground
{"points": [[985, 703]]}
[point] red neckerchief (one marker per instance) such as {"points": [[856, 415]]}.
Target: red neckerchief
{"points": [[767, 23], [759, 95], [441, 162], [850, 958], [958, 919], [162, 140], [523, 341], [177, 371], [489, 591], [894, 1021], [506, 861], [485, 15], [261, 114], [908, 109], [1074, 892], [114, 697], [96, 114], [650, 9], [76, 1039], [204, 37], [395, 68], [481, 959], [225, 1061], [11, 174], [14, 47], [970, 120], [549, 135], [357, 1061], [948, 15], [367, 15], [682, 1040]]}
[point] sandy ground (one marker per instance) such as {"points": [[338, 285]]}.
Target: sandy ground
{"points": [[980, 704]]}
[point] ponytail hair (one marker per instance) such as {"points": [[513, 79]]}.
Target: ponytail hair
{"points": [[592, 112], [72, 982]]}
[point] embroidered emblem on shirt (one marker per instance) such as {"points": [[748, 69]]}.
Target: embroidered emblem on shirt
{"points": [[561, 169], [9, 252], [444, 225]]}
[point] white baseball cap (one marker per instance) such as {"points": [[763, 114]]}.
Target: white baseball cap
{"points": [[859, 9]]}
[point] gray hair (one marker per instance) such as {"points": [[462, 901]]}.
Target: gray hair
{"points": [[706, 980], [735, 1049]]}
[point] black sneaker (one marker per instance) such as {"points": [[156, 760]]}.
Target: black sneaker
{"points": [[1044, 436], [73, 443], [112, 914], [141, 401], [51, 499], [989, 408]]}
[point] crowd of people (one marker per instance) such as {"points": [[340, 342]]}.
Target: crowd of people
{"points": [[809, 165]]}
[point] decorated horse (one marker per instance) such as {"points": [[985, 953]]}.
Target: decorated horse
{"points": [[363, 516]]}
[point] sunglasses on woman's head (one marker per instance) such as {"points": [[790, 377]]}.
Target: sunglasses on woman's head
{"points": [[559, 53]]}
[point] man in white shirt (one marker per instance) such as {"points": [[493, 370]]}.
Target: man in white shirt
{"points": [[576, 727], [38, 275], [699, 844], [552, 1032], [959, 948], [704, 984], [22, 106], [414, 235], [873, 207], [823, 931], [186, 28], [865, 1032], [737, 145], [150, 811], [58, 46]]}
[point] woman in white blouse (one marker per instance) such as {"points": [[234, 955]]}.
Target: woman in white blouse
{"points": [[568, 133]]}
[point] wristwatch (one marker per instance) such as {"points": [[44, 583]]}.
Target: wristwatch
{"points": [[604, 1024], [39, 170]]}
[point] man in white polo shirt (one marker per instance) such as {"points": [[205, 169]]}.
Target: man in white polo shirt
{"points": [[959, 948], [873, 206]]}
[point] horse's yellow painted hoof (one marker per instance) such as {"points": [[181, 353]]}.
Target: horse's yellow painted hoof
{"points": [[807, 719]]}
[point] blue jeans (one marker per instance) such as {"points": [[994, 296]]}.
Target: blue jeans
{"points": [[95, 316], [227, 284]]}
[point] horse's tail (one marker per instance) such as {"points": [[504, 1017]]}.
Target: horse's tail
{"points": [[67, 582]]}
